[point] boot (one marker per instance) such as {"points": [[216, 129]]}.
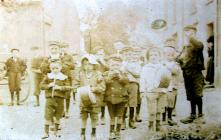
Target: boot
{"points": [[131, 118], [18, 98], [102, 120], [150, 126], [12, 99], [164, 118], [137, 118], [112, 134], [118, 135], [170, 120], [123, 126], [93, 134], [46, 133], [189, 119], [74, 100], [158, 125], [67, 108], [83, 137], [37, 101], [132, 124]]}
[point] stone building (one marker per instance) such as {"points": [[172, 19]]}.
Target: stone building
{"points": [[27, 23], [204, 14]]}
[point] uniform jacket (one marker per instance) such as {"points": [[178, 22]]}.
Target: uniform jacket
{"points": [[60, 80], [17, 66], [116, 91], [195, 60]]}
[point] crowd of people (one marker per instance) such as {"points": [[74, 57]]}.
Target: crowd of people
{"points": [[118, 82]]}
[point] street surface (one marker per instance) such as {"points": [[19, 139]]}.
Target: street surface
{"points": [[26, 122]]}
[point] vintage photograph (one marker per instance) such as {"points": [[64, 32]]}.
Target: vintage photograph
{"points": [[110, 70]]}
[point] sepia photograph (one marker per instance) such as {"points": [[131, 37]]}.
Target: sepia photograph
{"points": [[110, 69]]}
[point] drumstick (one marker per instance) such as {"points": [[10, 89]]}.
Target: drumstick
{"points": [[52, 94]]}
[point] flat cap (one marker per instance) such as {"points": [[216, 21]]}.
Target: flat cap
{"points": [[14, 49], [34, 48], [190, 27], [115, 57]]}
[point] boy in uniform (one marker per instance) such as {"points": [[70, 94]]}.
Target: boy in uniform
{"points": [[116, 95], [15, 67], [55, 85]]}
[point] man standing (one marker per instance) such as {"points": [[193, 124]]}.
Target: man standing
{"points": [[68, 66], [15, 67], [192, 63], [37, 75]]}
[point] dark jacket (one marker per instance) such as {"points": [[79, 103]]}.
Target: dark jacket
{"points": [[62, 81], [116, 91]]}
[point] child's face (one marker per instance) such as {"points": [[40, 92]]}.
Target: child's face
{"points": [[54, 49], [87, 65], [169, 53], [154, 56], [15, 53], [55, 68]]}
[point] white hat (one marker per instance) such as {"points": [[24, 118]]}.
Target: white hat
{"points": [[91, 58]]}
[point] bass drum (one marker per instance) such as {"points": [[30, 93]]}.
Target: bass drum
{"points": [[25, 84]]}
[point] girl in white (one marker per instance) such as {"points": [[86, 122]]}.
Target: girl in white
{"points": [[154, 83]]}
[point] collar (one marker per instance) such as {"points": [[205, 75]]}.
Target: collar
{"points": [[59, 76]]}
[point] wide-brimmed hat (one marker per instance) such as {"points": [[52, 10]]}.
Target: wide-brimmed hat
{"points": [[91, 59]]}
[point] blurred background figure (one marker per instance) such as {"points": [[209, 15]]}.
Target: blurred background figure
{"points": [[210, 64], [36, 72]]}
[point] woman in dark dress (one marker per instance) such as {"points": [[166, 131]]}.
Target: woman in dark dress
{"points": [[210, 64]]}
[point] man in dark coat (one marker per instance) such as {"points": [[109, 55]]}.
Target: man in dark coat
{"points": [[15, 67], [192, 64]]}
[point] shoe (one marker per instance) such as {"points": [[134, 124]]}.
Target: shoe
{"points": [[93, 137], [102, 121], [118, 135], [74, 102], [174, 113], [112, 136], [45, 136], [123, 126], [157, 125], [132, 124], [189, 119], [83, 137], [150, 126], [137, 118], [164, 123], [67, 115], [171, 122], [200, 119]]}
